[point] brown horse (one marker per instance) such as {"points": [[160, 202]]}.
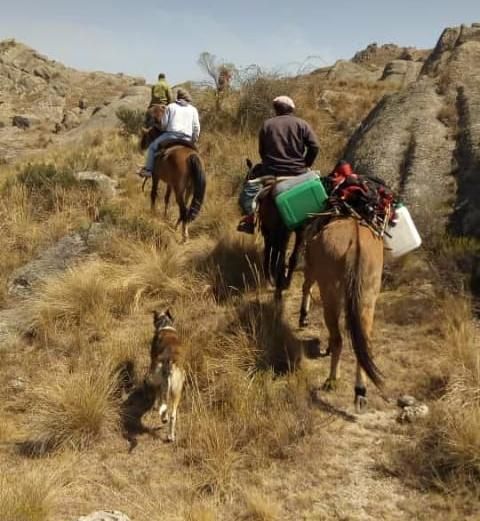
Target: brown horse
{"points": [[182, 170], [345, 259], [276, 237]]}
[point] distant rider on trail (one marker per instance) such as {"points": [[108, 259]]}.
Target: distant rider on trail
{"points": [[287, 146], [179, 121], [161, 92]]}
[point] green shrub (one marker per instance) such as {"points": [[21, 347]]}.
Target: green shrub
{"points": [[44, 177], [132, 120]]}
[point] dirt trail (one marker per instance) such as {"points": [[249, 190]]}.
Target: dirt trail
{"points": [[350, 480]]}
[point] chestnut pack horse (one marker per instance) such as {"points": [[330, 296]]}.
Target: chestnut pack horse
{"points": [[181, 167], [276, 237], [345, 259]]}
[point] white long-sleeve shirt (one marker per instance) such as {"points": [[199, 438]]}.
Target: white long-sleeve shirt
{"points": [[182, 118]]}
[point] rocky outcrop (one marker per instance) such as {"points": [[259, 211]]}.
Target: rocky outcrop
{"points": [[347, 71], [401, 72], [425, 140], [381, 55], [40, 96], [106, 116]]}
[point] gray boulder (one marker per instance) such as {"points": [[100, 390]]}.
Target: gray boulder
{"points": [[425, 140], [106, 185], [348, 71], [70, 120], [21, 122]]}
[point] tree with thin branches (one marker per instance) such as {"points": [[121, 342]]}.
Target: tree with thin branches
{"points": [[220, 72]]}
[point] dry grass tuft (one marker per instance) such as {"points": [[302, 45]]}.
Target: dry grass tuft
{"points": [[28, 495], [232, 267], [259, 508], [447, 451], [71, 409]]}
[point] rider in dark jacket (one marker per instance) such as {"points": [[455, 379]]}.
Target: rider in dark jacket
{"points": [[287, 146]]}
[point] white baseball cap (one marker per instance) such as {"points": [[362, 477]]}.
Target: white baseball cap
{"points": [[284, 100]]}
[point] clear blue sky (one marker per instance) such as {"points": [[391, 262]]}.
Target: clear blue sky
{"points": [[147, 37]]}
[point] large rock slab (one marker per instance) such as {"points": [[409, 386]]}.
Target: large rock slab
{"points": [[56, 259], [425, 140], [401, 72]]}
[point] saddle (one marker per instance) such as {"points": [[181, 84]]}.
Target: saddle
{"points": [[164, 147]]}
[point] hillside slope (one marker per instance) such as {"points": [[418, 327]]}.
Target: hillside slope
{"points": [[51, 98]]}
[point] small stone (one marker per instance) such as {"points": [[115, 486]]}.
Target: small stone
{"points": [[105, 515], [406, 401], [18, 384], [413, 413]]}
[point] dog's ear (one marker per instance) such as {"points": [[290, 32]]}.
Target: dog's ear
{"points": [[156, 316], [249, 163], [169, 315]]}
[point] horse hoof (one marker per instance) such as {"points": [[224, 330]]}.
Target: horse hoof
{"points": [[361, 404], [304, 321], [330, 385]]}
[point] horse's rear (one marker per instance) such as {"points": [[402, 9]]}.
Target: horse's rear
{"points": [[182, 169], [345, 259]]}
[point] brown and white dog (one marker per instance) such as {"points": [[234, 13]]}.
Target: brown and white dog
{"points": [[167, 371]]}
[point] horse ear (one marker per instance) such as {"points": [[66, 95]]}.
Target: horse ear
{"points": [[249, 163]]}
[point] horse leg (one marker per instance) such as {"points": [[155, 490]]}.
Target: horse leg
{"points": [[331, 313], [306, 299], [267, 253], [154, 191], [293, 260], [367, 315], [280, 251], [182, 218], [168, 192]]}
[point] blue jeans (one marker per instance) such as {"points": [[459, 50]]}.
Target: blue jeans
{"points": [[247, 196], [166, 136]]}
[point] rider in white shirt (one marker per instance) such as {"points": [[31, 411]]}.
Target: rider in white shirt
{"points": [[180, 121]]}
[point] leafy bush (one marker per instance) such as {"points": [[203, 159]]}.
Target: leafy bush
{"points": [[132, 120], [42, 177], [47, 185]]}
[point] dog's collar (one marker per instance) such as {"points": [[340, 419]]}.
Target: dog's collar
{"points": [[168, 328]]}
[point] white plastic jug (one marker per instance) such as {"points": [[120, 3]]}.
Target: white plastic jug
{"points": [[404, 236]]}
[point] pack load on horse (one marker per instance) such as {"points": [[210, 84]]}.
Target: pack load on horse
{"points": [[173, 157], [343, 192]]}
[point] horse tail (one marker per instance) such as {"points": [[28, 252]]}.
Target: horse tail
{"points": [[356, 326], [199, 186]]}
